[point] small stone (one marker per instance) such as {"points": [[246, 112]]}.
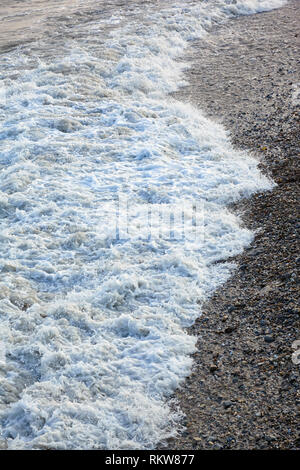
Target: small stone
{"points": [[269, 339], [229, 329], [270, 438], [218, 446], [227, 404], [213, 367]]}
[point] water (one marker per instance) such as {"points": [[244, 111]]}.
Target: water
{"points": [[95, 293]]}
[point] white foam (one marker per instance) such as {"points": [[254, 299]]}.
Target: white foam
{"points": [[92, 326]]}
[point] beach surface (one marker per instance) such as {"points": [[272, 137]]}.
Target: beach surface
{"points": [[97, 298], [243, 392]]}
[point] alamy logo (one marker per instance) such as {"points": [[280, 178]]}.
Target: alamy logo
{"points": [[296, 353]]}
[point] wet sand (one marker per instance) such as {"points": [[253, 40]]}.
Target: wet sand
{"points": [[26, 21], [243, 392], [29, 20]]}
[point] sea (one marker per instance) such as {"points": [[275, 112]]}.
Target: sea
{"points": [[114, 215]]}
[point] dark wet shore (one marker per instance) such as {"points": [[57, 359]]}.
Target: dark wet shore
{"points": [[244, 391]]}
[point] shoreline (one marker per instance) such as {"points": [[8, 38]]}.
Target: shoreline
{"points": [[243, 391]]}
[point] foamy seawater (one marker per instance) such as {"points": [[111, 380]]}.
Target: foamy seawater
{"points": [[94, 294]]}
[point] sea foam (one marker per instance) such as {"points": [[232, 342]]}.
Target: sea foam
{"points": [[94, 303]]}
